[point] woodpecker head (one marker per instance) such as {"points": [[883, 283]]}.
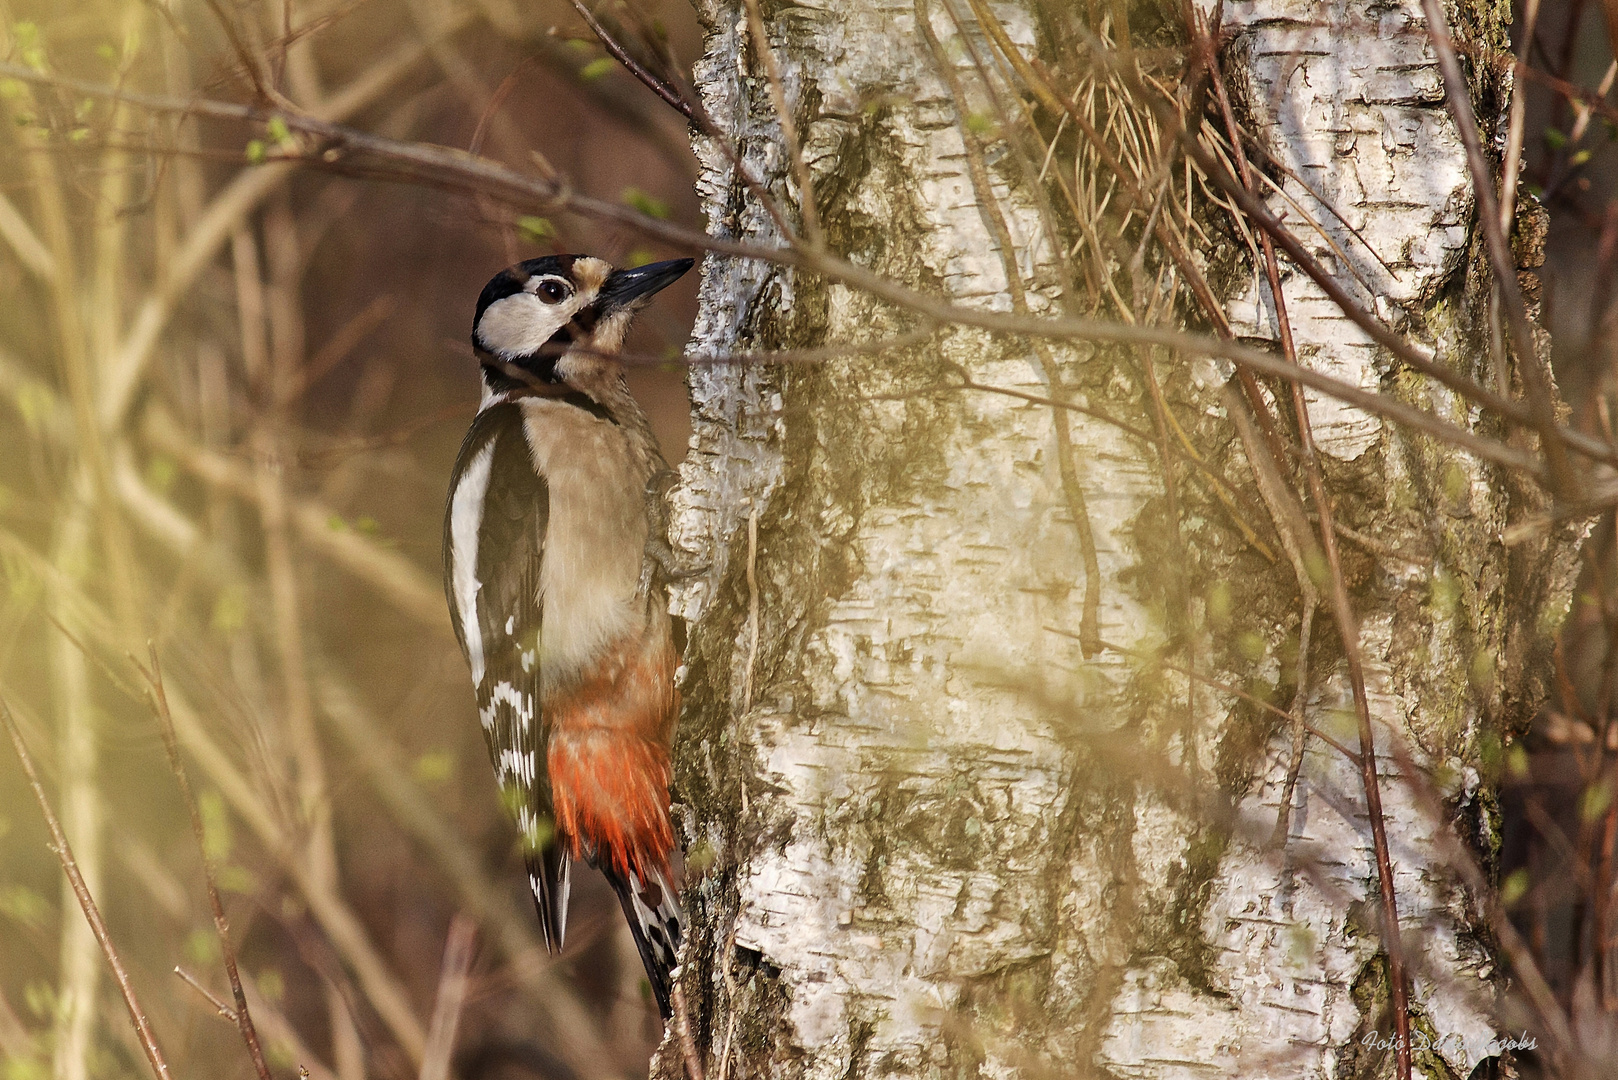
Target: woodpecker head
{"points": [[559, 317]]}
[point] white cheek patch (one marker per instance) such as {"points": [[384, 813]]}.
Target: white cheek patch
{"points": [[519, 325]]}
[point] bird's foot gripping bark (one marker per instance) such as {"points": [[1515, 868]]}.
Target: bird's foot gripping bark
{"points": [[661, 558]]}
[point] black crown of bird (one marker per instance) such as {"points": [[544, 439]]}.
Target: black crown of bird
{"points": [[548, 569]]}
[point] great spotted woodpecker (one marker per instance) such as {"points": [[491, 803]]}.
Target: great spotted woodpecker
{"points": [[554, 596]]}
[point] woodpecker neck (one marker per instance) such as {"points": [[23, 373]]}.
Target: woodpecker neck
{"points": [[557, 361], [502, 376], [596, 386]]}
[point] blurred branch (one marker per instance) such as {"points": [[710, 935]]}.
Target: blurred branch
{"points": [[16, 1042], [438, 166], [1225, 688], [994, 220], [92, 914], [391, 574], [450, 999], [241, 1016], [1342, 607], [278, 1029], [1458, 93], [336, 918], [378, 756], [224, 213], [30, 250], [623, 104], [807, 212]]}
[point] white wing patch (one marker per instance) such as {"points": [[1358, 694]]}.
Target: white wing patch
{"points": [[520, 702], [515, 765], [465, 519]]}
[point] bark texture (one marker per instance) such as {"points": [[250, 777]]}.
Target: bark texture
{"points": [[930, 837]]}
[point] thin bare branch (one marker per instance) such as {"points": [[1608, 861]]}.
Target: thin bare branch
{"points": [[682, 1029], [396, 578], [225, 1011], [25, 243], [670, 96], [1342, 607], [427, 164], [789, 128], [336, 917], [1407, 353], [995, 223], [92, 914], [241, 1016], [1293, 717], [1519, 116]]}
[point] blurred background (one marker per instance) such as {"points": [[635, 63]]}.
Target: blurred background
{"points": [[231, 391], [1558, 869]]}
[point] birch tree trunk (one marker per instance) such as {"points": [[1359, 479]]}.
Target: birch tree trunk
{"points": [[931, 836]]}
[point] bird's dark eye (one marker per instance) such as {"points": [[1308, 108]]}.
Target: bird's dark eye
{"points": [[551, 291]]}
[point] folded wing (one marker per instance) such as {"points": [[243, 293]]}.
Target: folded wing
{"points": [[494, 547]]}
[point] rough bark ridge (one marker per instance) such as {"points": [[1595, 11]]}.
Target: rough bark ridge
{"points": [[929, 835]]}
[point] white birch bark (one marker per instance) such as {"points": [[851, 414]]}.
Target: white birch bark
{"points": [[931, 836]]}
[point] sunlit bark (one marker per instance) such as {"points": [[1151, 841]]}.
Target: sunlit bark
{"points": [[932, 836]]}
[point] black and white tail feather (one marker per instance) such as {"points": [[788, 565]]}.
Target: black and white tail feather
{"points": [[652, 909]]}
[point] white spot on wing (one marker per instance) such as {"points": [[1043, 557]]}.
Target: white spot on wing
{"points": [[515, 765], [465, 519], [518, 701]]}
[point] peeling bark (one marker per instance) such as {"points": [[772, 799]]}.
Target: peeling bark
{"points": [[927, 835]]}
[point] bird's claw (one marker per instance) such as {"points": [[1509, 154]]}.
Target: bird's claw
{"points": [[674, 565], [671, 565]]}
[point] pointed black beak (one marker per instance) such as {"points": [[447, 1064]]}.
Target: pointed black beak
{"points": [[624, 287]]}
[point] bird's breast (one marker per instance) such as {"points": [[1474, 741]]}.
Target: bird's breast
{"points": [[595, 541]]}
